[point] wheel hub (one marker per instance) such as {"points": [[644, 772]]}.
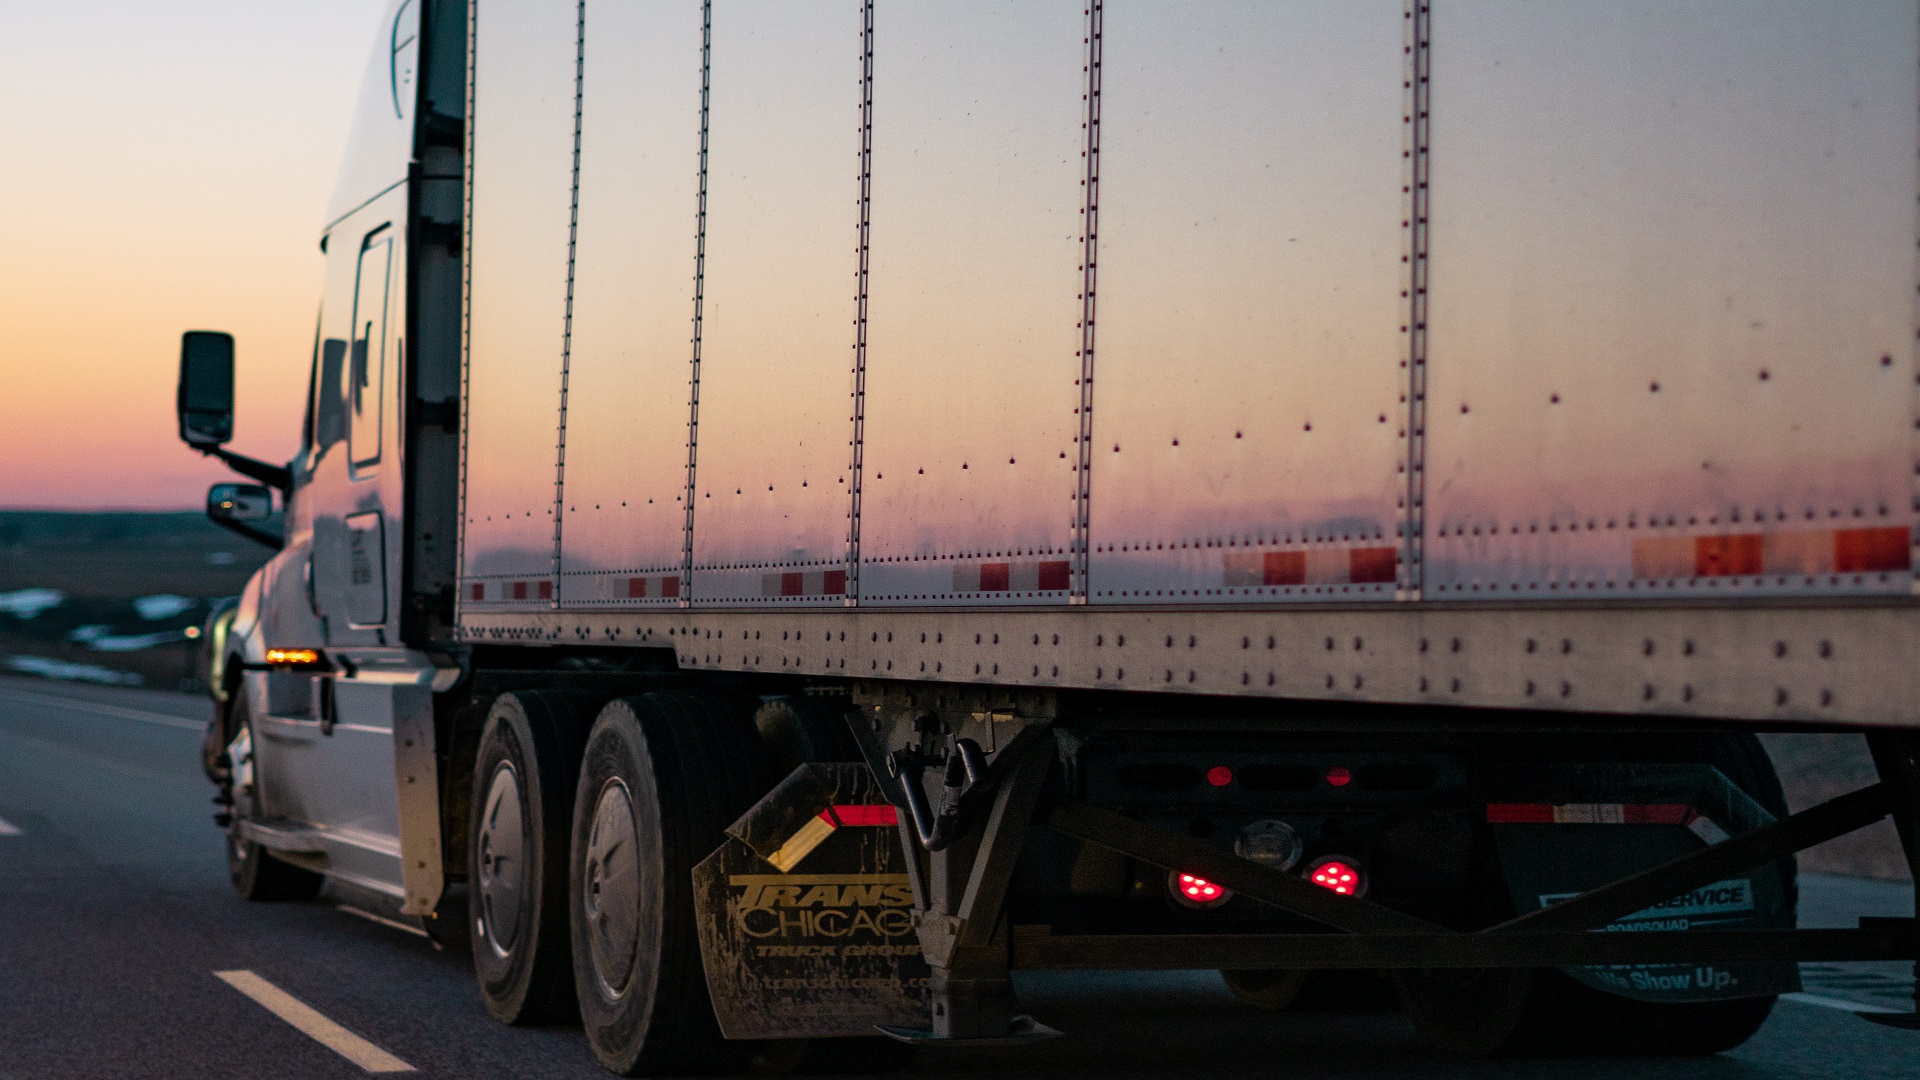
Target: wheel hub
{"points": [[611, 899], [502, 863]]}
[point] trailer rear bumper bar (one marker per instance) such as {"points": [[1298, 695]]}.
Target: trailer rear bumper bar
{"points": [[1034, 948]]}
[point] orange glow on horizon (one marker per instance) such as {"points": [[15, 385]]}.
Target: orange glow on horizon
{"points": [[168, 168]]}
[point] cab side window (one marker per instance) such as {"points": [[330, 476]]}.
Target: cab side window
{"points": [[313, 382], [350, 365], [367, 353], [329, 412]]}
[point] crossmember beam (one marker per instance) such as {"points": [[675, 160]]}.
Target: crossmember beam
{"points": [[1481, 950]]}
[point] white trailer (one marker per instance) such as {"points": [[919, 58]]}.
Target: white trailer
{"points": [[1183, 466]]}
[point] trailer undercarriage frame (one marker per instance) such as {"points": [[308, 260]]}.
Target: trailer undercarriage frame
{"points": [[961, 914]]}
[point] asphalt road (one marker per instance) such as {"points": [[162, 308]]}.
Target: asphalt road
{"points": [[115, 914]]}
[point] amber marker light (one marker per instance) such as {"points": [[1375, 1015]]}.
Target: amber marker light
{"points": [[293, 657]]}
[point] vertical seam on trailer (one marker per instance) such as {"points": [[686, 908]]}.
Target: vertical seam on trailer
{"points": [[699, 295], [566, 326], [1089, 270], [1913, 363], [1417, 100], [466, 309], [857, 481]]}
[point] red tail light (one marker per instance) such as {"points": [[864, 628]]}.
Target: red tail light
{"points": [[1340, 874], [1197, 892]]}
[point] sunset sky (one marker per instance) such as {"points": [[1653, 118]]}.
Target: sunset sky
{"points": [[165, 167]]}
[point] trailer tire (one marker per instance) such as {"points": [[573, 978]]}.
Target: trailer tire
{"points": [[1523, 1012], [255, 872], [523, 781], [1534, 1012], [1709, 1027], [1272, 991], [663, 776]]}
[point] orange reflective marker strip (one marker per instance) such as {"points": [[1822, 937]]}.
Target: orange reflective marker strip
{"points": [[822, 825], [1808, 553]]}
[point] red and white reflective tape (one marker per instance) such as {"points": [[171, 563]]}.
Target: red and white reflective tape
{"points": [[824, 824], [1819, 551], [1048, 576], [663, 586], [480, 592], [1606, 814], [1318, 566], [804, 583], [1589, 814]]}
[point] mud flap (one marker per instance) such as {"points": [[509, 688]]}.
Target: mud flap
{"points": [[806, 914], [1545, 864]]}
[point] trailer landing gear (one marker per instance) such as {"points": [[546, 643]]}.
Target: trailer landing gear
{"points": [[962, 926]]}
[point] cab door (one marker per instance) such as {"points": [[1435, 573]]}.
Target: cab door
{"points": [[355, 478], [341, 758]]}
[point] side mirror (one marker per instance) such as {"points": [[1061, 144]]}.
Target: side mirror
{"points": [[239, 502], [205, 399]]}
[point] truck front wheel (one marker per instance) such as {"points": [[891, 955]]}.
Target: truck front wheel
{"points": [[253, 870]]}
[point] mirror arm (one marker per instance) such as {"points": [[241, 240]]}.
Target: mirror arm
{"points": [[258, 536], [278, 477]]}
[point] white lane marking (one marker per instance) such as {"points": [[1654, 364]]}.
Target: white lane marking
{"points": [[8, 828], [309, 1022], [1825, 1002], [381, 919], [83, 705]]}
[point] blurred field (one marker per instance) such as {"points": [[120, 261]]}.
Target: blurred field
{"points": [[1815, 768], [100, 563]]}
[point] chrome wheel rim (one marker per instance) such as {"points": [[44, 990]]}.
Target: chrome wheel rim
{"points": [[611, 897], [501, 851]]}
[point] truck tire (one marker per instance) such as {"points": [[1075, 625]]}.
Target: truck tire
{"points": [[663, 776], [799, 730], [254, 871], [257, 875], [1520, 1012], [523, 780]]}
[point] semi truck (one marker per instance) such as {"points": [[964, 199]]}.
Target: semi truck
{"points": [[1374, 469]]}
